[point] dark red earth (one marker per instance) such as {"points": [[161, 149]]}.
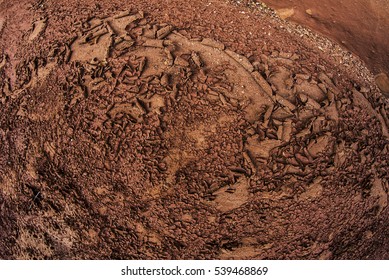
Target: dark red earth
{"points": [[185, 130]]}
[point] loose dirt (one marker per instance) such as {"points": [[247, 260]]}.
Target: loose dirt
{"points": [[210, 131]]}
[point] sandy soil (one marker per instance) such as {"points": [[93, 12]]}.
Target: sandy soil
{"points": [[140, 130], [359, 25]]}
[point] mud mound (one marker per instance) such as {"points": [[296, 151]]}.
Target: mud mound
{"points": [[135, 139]]}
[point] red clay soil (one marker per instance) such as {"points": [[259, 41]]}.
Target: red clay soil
{"points": [[359, 25], [185, 130]]}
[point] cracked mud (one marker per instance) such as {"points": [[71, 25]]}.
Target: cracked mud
{"points": [[134, 138]]}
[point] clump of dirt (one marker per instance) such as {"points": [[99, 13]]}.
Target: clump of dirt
{"points": [[140, 133]]}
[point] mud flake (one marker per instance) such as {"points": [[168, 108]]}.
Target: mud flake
{"points": [[227, 201], [321, 145], [262, 83], [179, 61], [263, 148], [126, 108], [154, 43], [38, 28], [314, 190], [311, 90], [242, 60], [164, 31], [379, 190], [286, 131], [2, 24], [196, 59], [213, 43], [3, 61]]}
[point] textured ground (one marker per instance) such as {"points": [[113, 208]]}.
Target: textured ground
{"points": [[212, 130], [359, 25]]}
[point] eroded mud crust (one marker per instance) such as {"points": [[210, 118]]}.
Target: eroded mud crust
{"points": [[135, 140]]}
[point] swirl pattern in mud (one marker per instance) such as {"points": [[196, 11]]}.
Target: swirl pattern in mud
{"points": [[134, 141]]}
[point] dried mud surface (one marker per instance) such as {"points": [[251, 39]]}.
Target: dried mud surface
{"points": [[208, 131]]}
